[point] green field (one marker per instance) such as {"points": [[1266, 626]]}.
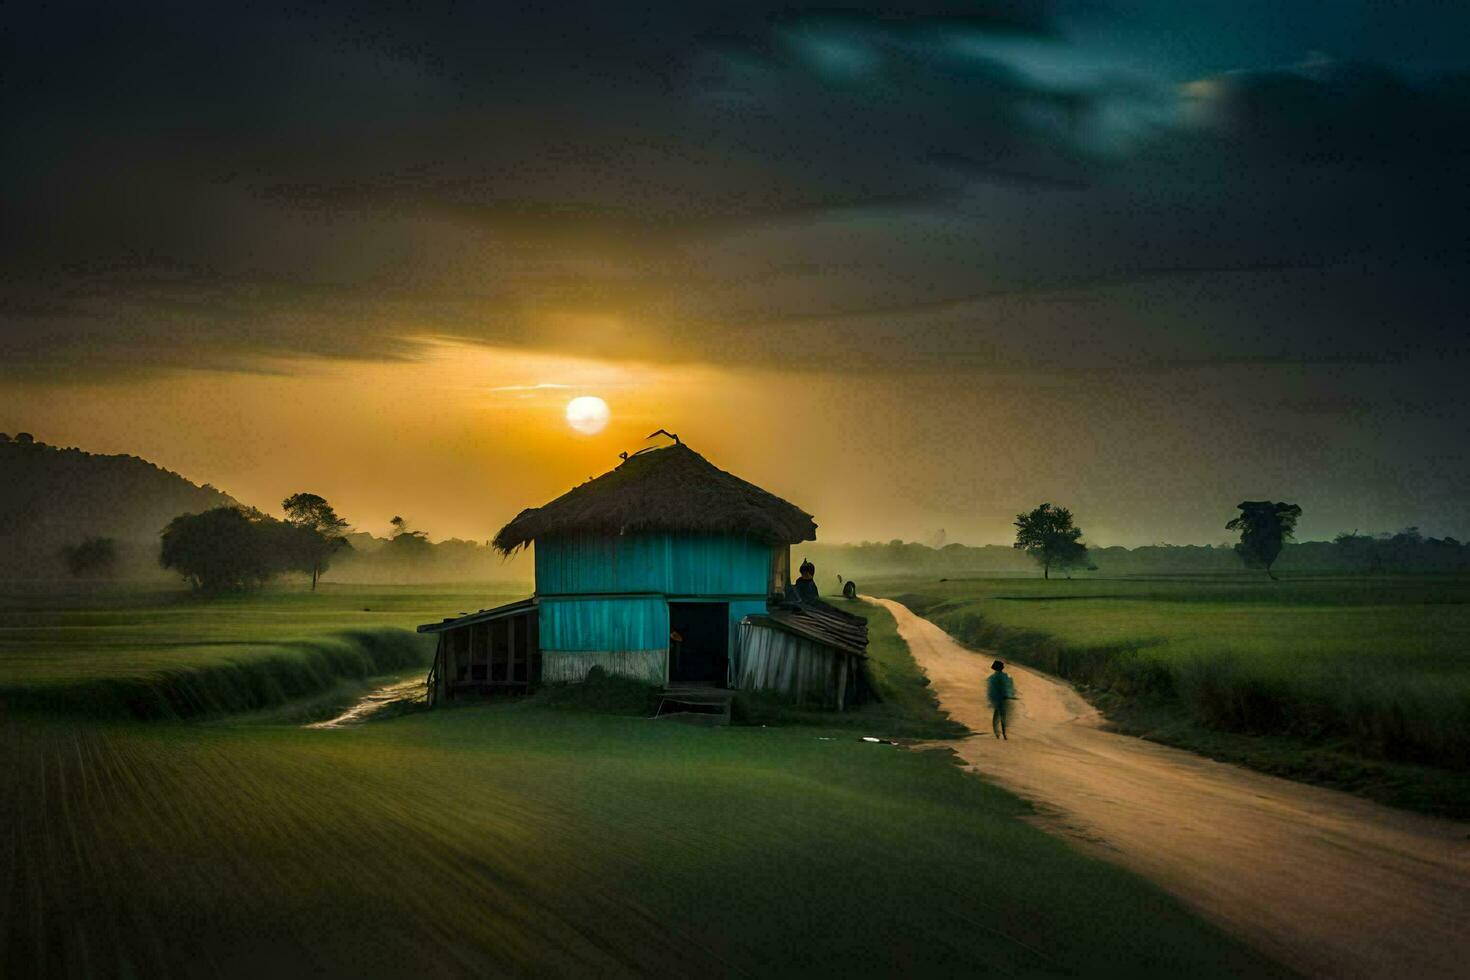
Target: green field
{"points": [[532, 835], [1362, 682], [148, 654]]}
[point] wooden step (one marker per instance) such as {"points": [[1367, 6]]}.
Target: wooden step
{"points": [[709, 705]]}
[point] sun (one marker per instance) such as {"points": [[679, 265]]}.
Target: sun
{"points": [[587, 414]]}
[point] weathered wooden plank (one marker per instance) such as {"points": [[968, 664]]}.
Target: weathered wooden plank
{"points": [[451, 665], [510, 650], [644, 665], [441, 683]]}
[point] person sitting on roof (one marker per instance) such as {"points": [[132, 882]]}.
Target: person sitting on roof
{"points": [[806, 585]]}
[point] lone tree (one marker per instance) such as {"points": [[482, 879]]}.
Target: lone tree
{"points": [[1264, 527], [93, 557], [318, 532], [1048, 535]]}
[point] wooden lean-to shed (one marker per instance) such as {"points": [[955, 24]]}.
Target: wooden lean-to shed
{"points": [[666, 570]]}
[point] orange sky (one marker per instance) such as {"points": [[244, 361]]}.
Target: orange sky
{"points": [[462, 437], [458, 441]]}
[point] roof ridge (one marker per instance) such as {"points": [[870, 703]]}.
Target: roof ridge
{"points": [[664, 489]]}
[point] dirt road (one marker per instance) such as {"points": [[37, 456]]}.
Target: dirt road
{"points": [[1325, 882]]}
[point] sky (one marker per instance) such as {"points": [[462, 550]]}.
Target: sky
{"points": [[911, 268]]}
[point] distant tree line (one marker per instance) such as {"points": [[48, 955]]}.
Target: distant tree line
{"points": [[1051, 537], [65, 511], [230, 549], [1405, 551]]}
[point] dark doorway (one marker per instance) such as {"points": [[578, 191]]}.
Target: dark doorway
{"points": [[701, 656]]}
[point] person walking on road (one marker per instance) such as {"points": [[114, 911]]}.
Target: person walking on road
{"points": [[1000, 691]]}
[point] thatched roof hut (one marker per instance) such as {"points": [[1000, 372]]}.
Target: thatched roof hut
{"points": [[667, 490], [669, 571]]}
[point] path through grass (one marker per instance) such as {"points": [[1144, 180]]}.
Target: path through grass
{"points": [[1358, 682]]}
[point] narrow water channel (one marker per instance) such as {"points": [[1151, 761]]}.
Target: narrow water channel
{"points": [[405, 691]]}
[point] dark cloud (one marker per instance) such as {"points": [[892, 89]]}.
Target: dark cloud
{"points": [[1330, 112], [196, 187]]}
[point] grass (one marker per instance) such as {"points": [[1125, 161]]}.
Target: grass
{"points": [[1362, 683], [560, 834], [515, 838], [145, 654]]}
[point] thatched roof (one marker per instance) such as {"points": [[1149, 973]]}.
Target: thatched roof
{"points": [[668, 490]]}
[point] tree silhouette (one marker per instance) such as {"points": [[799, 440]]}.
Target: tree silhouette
{"points": [[407, 544], [233, 548], [1048, 535], [1360, 551], [1264, 528], [92, 557], [319, 532]]}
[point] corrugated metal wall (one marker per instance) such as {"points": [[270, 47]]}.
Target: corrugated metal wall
{"points": [[675, 565], [738, 611], [792, 666]]}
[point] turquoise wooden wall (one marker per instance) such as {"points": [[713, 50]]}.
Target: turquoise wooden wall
{"points": [[619, 624], [610, 623], [611, 594], [667, 564]]}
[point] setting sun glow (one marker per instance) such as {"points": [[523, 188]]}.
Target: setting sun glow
{"points": [[587, 414]]}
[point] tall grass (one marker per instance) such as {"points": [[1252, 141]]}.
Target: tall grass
{"points": [[1381, 669], [260, 677], [148, 654]]}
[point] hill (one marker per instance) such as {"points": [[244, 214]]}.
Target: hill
{"points": [[52, 497]]}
